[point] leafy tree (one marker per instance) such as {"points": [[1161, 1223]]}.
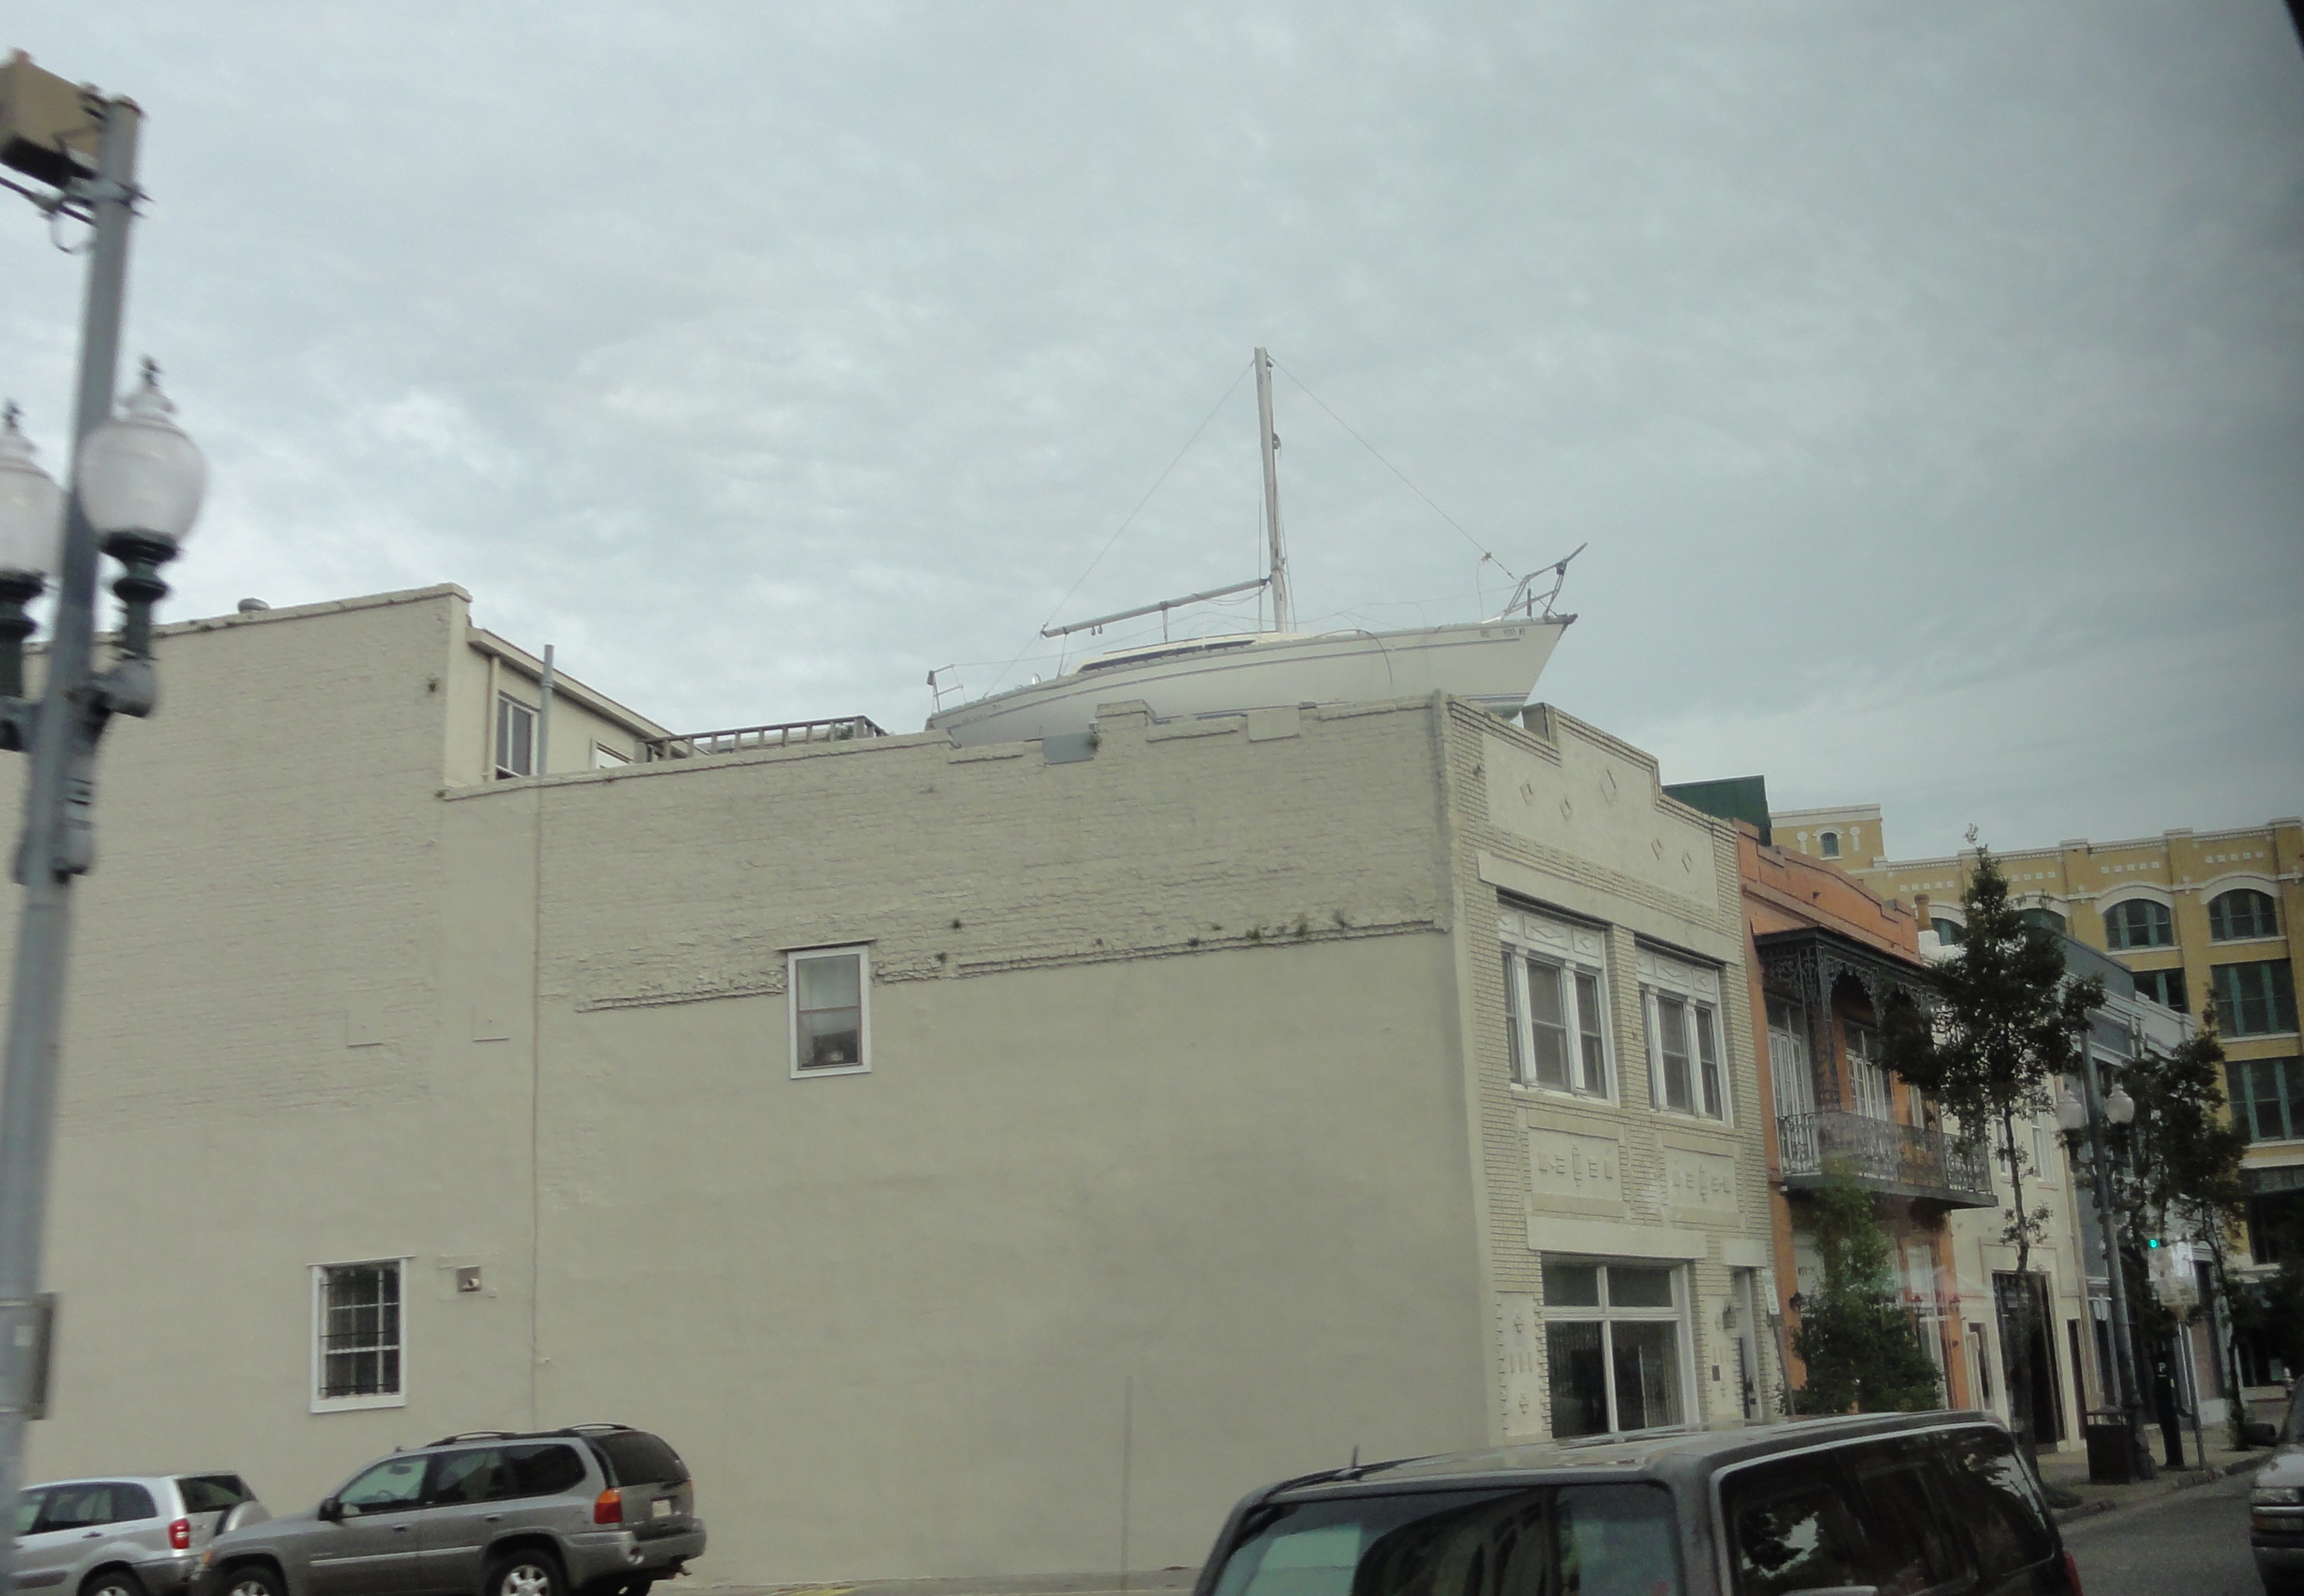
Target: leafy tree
{"points": [[2177, 1170], [1861, 1347], [2000, 1034]]}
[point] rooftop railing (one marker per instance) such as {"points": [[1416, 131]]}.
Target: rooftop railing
{"points": [[1904, 1158], [743, 739]]}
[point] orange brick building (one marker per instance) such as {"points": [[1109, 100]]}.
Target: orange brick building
{"points": [[1826, 956]]}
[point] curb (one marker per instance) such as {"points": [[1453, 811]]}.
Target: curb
{"points": [[2168, 1485]]}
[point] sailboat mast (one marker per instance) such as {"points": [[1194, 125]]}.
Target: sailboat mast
{"points": [[1283, 617]]}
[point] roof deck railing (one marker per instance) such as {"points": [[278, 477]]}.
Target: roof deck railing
{"points": [[746, 739]]}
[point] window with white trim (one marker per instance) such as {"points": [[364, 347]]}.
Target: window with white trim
{"points": [[1788, 1064], [1613, 1345], [1828, 845], [357, 1335], [1555, 1004], [515, 738], [1688, 1063], [826, 989], [1867, 1075]]}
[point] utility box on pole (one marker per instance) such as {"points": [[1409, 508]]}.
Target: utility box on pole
{"points": [[48, 128]]}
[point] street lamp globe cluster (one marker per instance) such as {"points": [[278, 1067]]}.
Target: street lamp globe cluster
{"points": [[140, 482], [2073, 1115]]}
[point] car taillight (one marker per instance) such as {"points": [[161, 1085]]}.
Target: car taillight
{"points": [[180, 1535], [2071, 1574], [608, 1506]]}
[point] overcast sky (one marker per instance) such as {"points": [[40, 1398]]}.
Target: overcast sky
{"points": [[1927, 381]]}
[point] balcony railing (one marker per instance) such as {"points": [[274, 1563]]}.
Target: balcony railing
{"points": [[1880, 1152], [741, 739]]}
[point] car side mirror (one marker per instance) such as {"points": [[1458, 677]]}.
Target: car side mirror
{"points": [[332, 1510]]}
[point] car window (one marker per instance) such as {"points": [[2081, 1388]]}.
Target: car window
{"points": [[542, 1471], [1790, 1528], [1908, 1516], [636, 1458], [212, 1493], [90, 1507], [1597, 1540], [386, 1487], [27, 1509], [474, 1476], [2005, 1520]]}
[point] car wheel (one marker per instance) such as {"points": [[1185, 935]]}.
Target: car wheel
{"points": [[250, 1579], [111, 1582], [526, 1571]]}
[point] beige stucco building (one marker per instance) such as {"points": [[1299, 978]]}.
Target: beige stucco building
{"points": [[974, 1161]]}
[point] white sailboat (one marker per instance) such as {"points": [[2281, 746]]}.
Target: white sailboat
{"points": [[1494, 663]]}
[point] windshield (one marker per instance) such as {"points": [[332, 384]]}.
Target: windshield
{"points": [[1565, 1540]]}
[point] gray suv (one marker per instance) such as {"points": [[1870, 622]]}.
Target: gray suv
{"points": [[123, 1535], [1920, 1505], [597, 1508]]}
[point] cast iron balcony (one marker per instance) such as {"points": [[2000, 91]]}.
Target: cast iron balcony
{"points": [[1904, 1160]]}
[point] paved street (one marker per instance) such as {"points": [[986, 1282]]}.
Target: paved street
{"points": [[2194, 1542]]}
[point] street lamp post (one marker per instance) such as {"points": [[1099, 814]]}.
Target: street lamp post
{"points": [[2088, 1116], [136, 486]]}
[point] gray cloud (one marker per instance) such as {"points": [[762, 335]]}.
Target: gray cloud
{"points": [[1925, 380]]}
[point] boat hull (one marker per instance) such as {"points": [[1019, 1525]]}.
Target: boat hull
{"points": [[1493, 663]]}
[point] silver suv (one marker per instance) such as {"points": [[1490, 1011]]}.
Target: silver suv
{"points": [[597, 1508], [124, 1535]]}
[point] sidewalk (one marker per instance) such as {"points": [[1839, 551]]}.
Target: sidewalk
{"points": [[2068, 1471]]}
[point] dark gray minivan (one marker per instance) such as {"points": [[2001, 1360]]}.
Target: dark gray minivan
{"points": [[1902, 1505]]}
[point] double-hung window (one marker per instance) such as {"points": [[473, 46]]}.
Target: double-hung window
{"points": [[1687, 1061], [826, 988], [357, 1336], [1555, 1004], [2255, 1000], [2267, 1098], [1612, 1346]]}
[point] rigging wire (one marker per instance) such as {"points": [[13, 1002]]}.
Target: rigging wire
{"points": [[1484, 551], [1124, 525]]}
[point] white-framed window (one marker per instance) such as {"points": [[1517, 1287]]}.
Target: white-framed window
{"points": [[1687, 1062], [1867, 1075], [2045, 1162], [1828, 845], [1615, 1346], [358, 1335], [826, 988], [1557, 1004], [515, 738], [1788, 1064]]}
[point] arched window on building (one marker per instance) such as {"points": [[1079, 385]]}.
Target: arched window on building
{"points": [[2139, 922], [1949, 933], [1829, 843], [2239, 913], [2041, 915]]}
